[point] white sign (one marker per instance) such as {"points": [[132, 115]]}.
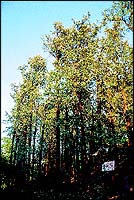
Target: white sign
{"points": [[108, 166]]}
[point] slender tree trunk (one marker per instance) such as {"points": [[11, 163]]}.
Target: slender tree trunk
{"points": [[24, 147], [12, 147], [130, 132], [49, 158], [92, 143], [83, 141], [15, 150], [21, 161], [76, 141], [29, 142], [66, 140], [41, 147], [33, 159], [11, 176], [99, 109], [58, 138], [67, 144], [99, 122]]}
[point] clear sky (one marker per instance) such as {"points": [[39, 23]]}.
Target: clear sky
{"points": [[23, 23]]}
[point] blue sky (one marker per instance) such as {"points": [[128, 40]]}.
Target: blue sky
{"points": [[23, 23]]}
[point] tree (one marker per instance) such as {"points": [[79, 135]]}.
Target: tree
{"points": [[115, 79], [121, 11], [62, 117], [74, 72], [88, 70], [27, 97], [6, 148]]}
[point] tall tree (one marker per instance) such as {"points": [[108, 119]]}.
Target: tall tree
{"points": [[63, 116], [121, 11], [27, 98], [68, 45]]}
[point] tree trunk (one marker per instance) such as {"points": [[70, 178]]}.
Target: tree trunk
{"points": [[67, 144], [24, 147], [130, 132], [99, 122], [12, 147], [92, 142], [82, 130], [41, 147], [58, 138], [29, 142], [33, 159]]}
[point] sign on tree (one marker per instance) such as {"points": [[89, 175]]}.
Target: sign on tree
{"points": [[108, 166]]}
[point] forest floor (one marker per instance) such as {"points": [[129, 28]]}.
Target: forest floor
{"points": [[94, 185], [93, 192], [80, 195]]}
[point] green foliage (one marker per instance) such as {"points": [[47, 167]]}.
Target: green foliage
{"points": [[121, 12], [6, 147], [65, 115]]}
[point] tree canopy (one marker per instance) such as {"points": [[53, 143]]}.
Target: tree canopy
{"points": [[63, 117]]}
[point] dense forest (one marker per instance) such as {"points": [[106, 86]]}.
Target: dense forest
{"points": [[67, 122]]}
